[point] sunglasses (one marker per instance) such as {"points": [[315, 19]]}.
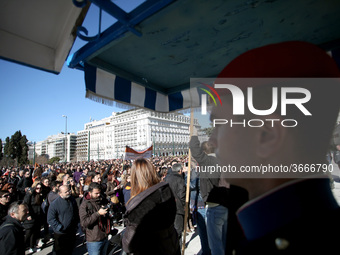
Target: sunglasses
{"points": [[37, 188], [6, 196]]}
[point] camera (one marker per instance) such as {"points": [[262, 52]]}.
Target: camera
{"points": [[110, 211]]}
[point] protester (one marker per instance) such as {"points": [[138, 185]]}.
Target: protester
{"points": [[127, 188], [44, 192], [11, 189], [289, 212], [11, 231], [20, 175], [73, 187], [112, 186], [94, 220], [46, 186], [63, 216], [5, 198], [85, 172], [53, 194], [65, 179], [12, 178], [215, 197], [37, 174], [97, 177], [87, 182], [77, 174], [33, 222], [178, 187], [80, 186], [150, 214], [24, 184]]}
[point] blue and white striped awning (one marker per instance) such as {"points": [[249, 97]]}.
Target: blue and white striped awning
{"points": [[107, 88]]}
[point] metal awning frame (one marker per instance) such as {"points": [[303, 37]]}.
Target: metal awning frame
{"points": [[126, 22]]}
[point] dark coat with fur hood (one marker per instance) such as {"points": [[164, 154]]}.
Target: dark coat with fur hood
{"points": [[149, 221]]}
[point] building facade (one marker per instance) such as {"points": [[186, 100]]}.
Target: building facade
{"points": [[138, 129], [54, 146]]}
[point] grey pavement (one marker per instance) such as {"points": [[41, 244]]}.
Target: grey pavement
{"points": [[192, 243]]}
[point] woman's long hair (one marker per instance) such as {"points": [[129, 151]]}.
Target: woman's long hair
{"points": [[37, 196], [143, 176]]}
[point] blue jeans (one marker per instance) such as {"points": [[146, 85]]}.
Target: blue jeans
{"points": [[97, 248], [217, 223], [202, 231]]}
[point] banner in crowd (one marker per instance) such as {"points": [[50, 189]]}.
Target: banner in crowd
{"points": [[131, 154]]}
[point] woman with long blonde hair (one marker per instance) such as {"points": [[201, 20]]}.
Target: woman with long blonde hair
{"points": [[150, 214], [143, 176]]}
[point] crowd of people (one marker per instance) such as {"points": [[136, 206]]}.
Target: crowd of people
{"points": [[45, 188]]}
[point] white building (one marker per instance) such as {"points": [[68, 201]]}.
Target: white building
{"points": [[139, 129], [54, 146]]}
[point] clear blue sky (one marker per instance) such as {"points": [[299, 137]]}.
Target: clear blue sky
{"points": [[34, 101]]}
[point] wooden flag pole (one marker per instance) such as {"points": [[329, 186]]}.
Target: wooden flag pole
{"points": [[187, 197]]}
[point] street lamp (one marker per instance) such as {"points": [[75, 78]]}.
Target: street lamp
{"points": [[65, 137]]}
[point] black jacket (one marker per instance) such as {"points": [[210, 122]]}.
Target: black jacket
{"points": [[23, 184], [149, 221], [3, 212], [177, 185], [63, 215], [11, 237], [34, 201], [308, 221]]}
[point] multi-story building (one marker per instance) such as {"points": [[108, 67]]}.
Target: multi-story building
{"points": [[54, 146], [139, 129]]}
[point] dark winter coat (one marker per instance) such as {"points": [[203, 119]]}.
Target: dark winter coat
{"points": [[110, 189], [177, 185], [91, 221], [12, 237], [63, 215], [52, 196], [23, 184], [300, 218], [127, 192], [14, 180], [34, 206], [3, 212], [149, 221]]}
